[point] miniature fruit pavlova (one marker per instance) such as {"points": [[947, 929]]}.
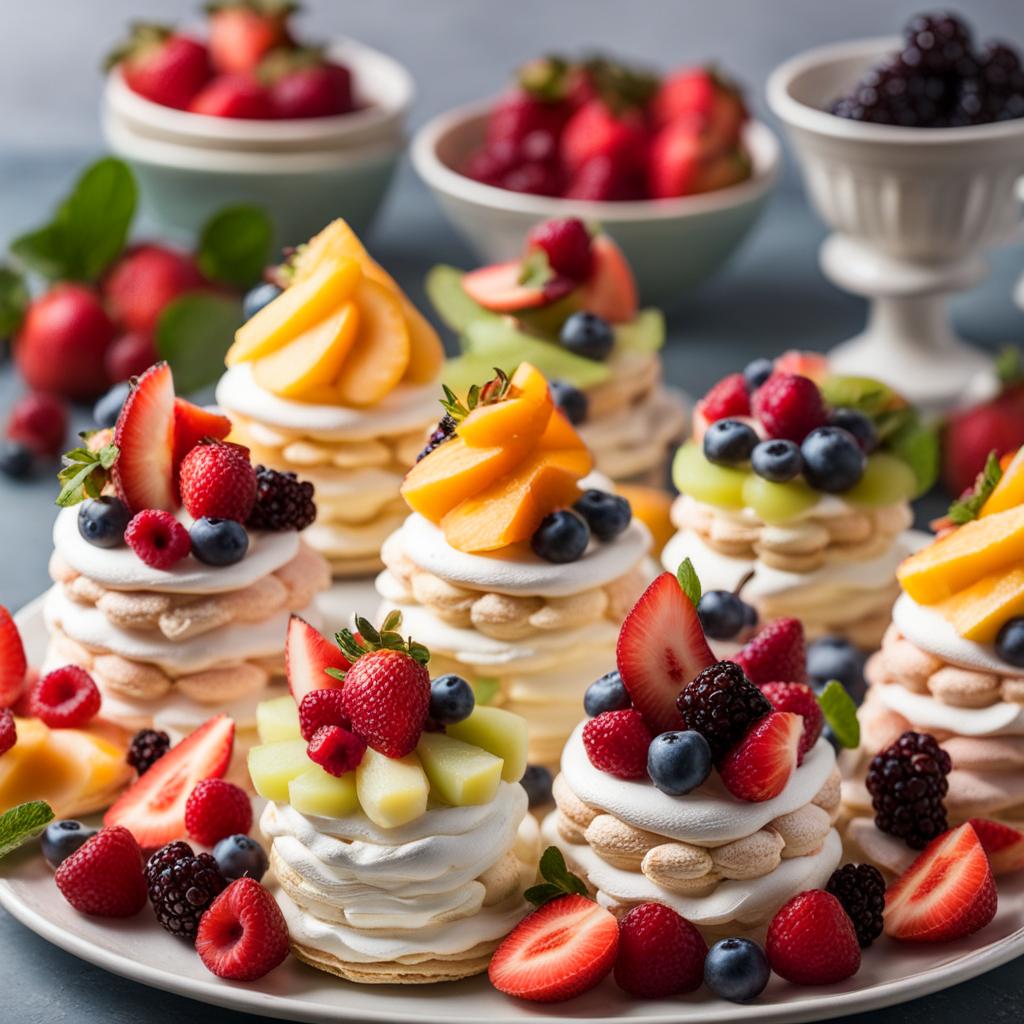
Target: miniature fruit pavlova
{"points": [[176, 564], [335, 377], [569, 306], [400, 836], [802, 479], [513, 566]]}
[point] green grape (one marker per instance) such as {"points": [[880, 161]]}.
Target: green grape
{"points": [[887, 480], [703, 480], [778, 503]]}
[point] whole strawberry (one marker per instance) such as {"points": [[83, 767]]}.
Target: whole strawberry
{"points": [[660, 953], [811, 941], [103, 877], [800, 699], [163, 66], [218, 481], [775, 654]]}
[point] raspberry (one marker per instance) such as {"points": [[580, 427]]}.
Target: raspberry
{"points": [[218, 481], [40, 422], [283, 502], [182, 885], [729, 397], [103, 877], [65, 698], [243, 935], [319, 708], [444, 431], [811, 941], [860, 888], [616, 742], [660, 953], [336, 749], [775, 654], [216, 809], [907, 783], [789, 406], [147, 747], [722, 704], [8, 730], [799, 699], [567, 245], [157, 538]]}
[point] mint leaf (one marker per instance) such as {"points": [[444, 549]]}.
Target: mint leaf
{"points": [[14, 299], [22, 823], [841, 714], [235, 245], [85, 473], [918, 445], [193, 334], [689, 581], [963, 510], [443, 286], [558, 880]]}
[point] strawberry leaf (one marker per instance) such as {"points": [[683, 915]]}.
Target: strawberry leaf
{"points": [[841, 714], [22, 823], [964, 509], [235, 245], [558, 880], [370, 639], [193, 334], [689, 581], [85, 473], [14, 300]]}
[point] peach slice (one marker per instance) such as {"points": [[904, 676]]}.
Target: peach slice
{"points": [[380, 355], [611, 290], [560, 434], [526, 406], [313, 360], [298, 308], [1009, 492], [956, 561], [978, 612]]}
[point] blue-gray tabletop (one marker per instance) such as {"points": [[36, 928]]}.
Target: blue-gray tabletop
{"points": [[771, 297]]}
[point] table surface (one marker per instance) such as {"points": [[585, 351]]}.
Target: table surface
{"points": [[772, 297]]}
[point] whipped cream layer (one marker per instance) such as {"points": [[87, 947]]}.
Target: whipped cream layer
{"points": [[925, 712], [121, 569], [709, 815], [406, 408]]}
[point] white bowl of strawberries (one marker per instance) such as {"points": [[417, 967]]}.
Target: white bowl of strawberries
{"points": [[673, 169]]}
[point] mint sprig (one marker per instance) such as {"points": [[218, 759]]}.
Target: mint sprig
{"points": [[964, 509], [85, 472], [558, 880], [689, 581], [235, 245], [193, 333], [22, 823], [841, 714]]}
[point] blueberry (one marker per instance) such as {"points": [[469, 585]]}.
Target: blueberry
{"points": [[570, 400], [102, 521], [727, 442], [451, 699], [777, 460], [1010, 642], [833, 460], [108, 408], [678, 762], [722, 614], [606, 694], [755, 373], [61, 839], [606, 514], [749, 616], [834, 657], [239, 856], [257, 297], [218, 541], [736, 969], [588, 335], [537, 783], [857, 424], [16, 460], [561, 537]]}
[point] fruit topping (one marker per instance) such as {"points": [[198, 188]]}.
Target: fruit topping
{"points": [[537, 781], [588, 335], [216, 809], [182, 885], [273, 765], [566, 242], [811, 940], [147, 747], [860, 888], [703, 480], [1010, 641], [461, 774], [775, 653], [722, 705], [857, 425], [777, 460], [678, 762], [606, 694], [756, 372], [13, 663], [218, 481], [317, 791], [947, 893], [108, 407], [660, 953], [907, 783], [240, 856], [833, 459], [103, 877], [277, 719], [336, 749], [500, 733], [561, 537], [617, 741], [193, 424], [65, 698], [789, 406], [8, 730], [319, 708], [728, 442], [61, 838], [798, 698], [158, 538], [736, 969], [218, 541], [728, 398], [1004, 845], [103, 521], [451, 700], [392, 791], [308, 656], [834, 657], [724, 615], [283, 502], [762, 762]]}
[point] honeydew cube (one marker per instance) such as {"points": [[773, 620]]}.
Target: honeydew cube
{"points": [[273, 765], [460, 773], [318, 792], [499, 732], [392, 791], [277, 720]]}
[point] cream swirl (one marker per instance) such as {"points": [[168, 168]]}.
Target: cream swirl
{"points": [[925, 712]]}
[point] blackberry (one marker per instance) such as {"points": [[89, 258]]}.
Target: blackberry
{"points": [[722, 704], [147, 747], [940, 42], [444, 431], [860, 888], [283, 502], [907, 783], [181, 885]]}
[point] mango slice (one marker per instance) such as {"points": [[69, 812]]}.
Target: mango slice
{"points": [[979, 611]]}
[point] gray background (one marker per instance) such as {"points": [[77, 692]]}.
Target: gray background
{"points": [[771, 297]]}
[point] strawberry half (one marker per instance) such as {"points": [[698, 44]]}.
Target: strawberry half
{"points": [[13, 664], [760, 765], [1003, 844], [559, 951], [153, 809], [775, 654], [661, 648], [307, 656], [192, 424], [144, 435], [947, 893]]}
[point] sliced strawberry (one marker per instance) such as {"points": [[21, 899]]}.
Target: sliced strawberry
{"points": [[153, 809], [307, 656], [947, 893], [144, 435], [559, 951], [760, 765], [13, 664], [661, 648], [500, 288], [1003, 844], [775, 654], [611, 291], [807, 364], [192, 423]]}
